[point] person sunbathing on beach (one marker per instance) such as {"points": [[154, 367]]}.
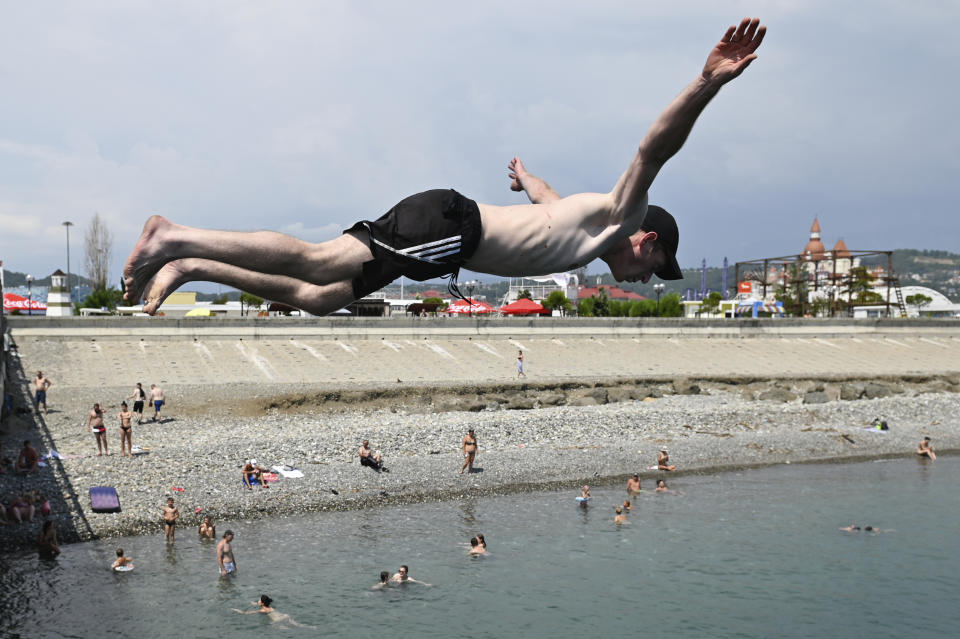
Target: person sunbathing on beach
{"points": [[370, 458], [663, 461], [264, 606], [437, 232], [252, 472]]}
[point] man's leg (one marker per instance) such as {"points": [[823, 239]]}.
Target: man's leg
{"points": [[163, 242], [319, 300]]}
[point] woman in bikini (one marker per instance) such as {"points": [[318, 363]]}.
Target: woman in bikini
{"points": [[126, 417], [469, 446]]}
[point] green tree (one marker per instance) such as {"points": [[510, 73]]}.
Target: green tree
{"points": [[601, 307], [221, 299], [248, 300], [585, 306], [671, 305], [524, 294], [711, 303], [556, 300], [919, 300], [643, 308], [859, 287], [820, 307], [441, 305], [102, 297]]}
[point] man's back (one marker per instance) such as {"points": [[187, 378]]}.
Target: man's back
{"points": [[539, 239]]}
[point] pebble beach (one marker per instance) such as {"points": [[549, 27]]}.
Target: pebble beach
{"points": [[195, 452]]}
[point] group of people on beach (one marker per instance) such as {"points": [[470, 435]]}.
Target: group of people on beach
{"points": [[97, 426]]}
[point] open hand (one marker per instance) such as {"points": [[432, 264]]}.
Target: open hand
{"points": [[735, 52], [516, 172]]}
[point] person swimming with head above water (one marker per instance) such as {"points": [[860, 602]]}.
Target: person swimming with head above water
{"points": [[264, 605], [436, 233]]}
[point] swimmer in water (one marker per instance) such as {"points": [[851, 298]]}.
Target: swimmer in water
{"points": [[476, 548], [633, 485], [620, 518], [626, 506], [121, 560], [662, 486], [384, 580], [403, 577], [481, 541], [264, 606]]}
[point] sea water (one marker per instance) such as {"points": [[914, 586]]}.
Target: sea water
{"points": [[756, 553]]}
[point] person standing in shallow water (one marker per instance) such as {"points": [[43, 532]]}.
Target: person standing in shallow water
{"points": [[225, 560], [170, 516]]}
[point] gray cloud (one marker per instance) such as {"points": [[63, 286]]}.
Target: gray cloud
{"points": [[308, 116]]}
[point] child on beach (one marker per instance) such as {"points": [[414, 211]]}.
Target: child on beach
{"points": [[122, 563], [170, 516]]}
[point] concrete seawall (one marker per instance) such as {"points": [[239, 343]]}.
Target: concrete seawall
{"points": [[116, 352]]}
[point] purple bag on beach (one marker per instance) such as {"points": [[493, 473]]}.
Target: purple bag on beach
{"points": [[104, 499]]}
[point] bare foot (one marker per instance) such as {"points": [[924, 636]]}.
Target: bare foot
{"points": [[147, 257], [166, 281]]}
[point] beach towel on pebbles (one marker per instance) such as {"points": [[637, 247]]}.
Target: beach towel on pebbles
{"points": [[287, 472]]}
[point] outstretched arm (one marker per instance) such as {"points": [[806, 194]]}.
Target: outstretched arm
{"points": [[537, 189], [726, 61]]}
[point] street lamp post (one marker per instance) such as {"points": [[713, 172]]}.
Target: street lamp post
{"points": [[471, 285], [29, 294], [67, 225], [658, 289]]}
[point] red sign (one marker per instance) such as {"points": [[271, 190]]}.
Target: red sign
{"points": [[744, 287]]}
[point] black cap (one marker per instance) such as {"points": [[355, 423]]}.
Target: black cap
{"points": [[668, 237]]}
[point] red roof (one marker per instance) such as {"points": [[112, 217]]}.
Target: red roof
{"points": [[816, 226], [431, 293], [613, 292], [840, 249]]}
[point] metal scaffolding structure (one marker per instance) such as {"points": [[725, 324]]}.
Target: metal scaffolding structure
{"points": [[803, 275]]}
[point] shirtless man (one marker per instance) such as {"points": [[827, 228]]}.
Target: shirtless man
{"points": [[437, 232], [469, 446], [95, 425], [370, 458], [225, 557], [633, 485], [403, 577], [170, 516], [925, 449], [126, 429], [138, 396], [252, 471], [158, 399], [619, 518], [40, 386], [663, 461]]}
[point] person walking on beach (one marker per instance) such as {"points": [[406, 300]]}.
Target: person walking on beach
{"points": [[126, 430], [633, 485], [437, 232], [158, 399], [925, 449], [170, 516], [40, 386], [469, 446], [225, 558], [138, 396], [520, 372], [95, 425]]}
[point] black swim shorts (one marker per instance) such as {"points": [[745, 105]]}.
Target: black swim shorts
{"points": [[431, 234]]}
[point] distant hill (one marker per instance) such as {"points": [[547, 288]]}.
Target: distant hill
{"points": [[939, 270], [13, 278]]}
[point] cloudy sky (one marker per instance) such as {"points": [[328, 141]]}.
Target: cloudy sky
{"points": [[305, 116]]}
